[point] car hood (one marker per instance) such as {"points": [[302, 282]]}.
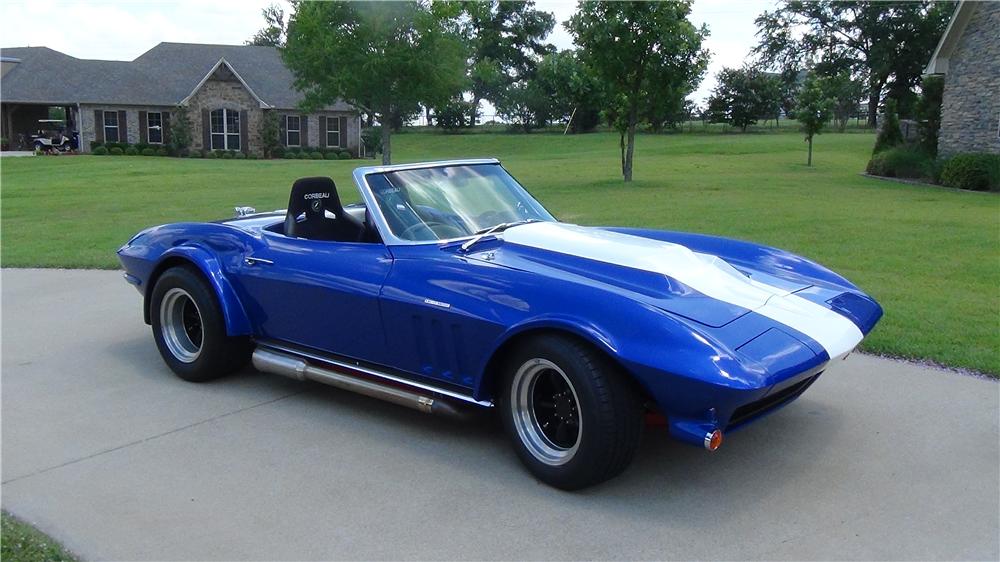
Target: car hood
{"points": [[698, 286]]}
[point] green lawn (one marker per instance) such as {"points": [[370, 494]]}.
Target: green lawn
{"points": [[20, 542], [931, 256]]}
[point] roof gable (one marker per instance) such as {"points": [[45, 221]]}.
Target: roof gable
{"points": [[167, 74], [952, 34]]}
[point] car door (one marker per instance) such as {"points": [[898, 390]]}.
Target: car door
{"points": [[315, 293]]}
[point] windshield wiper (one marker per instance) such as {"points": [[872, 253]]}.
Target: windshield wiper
{"points": [[480, 234]]}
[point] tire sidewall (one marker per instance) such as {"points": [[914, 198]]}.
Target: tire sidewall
{"points": [[585, 376], [209, 360]]}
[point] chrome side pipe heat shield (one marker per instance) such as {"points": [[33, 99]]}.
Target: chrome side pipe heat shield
{"points": [[268, 361]]}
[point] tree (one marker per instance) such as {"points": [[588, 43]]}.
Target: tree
{"points": [[575, 93], [890, 135], [885, 42], [525, 105], [388, 57], [929, 112], [845, 92], [273, 32], [744, 95], [643, 52], [269, 133], [180, 130], [814, 110], [505, 37]]}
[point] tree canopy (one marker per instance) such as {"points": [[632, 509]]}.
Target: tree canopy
{"points": [[744, 95], [885, 43], [273, 32], [387, 57], [647, 54], [506, 39]]}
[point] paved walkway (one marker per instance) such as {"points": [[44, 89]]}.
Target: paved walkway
{"points": [[107, 451]]}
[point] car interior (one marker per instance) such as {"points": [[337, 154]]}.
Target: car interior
{"points": [[316, 213]]}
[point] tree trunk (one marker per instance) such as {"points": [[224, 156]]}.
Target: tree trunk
{"points": [[386, 139], [475, 110], [627, 172], [809, 161], [621, 148], [874, 96]]}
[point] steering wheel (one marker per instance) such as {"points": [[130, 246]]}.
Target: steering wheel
{"points": [[431, 225]]}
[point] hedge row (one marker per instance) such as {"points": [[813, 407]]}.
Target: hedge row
{"points": [[979, 172]]}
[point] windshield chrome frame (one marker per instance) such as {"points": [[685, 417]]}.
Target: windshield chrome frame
{"points": [[375, 212]]}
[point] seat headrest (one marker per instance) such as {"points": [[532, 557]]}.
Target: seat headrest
{"points": [[313, 196]]}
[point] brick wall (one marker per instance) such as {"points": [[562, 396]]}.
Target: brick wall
{"points": [[970, 111], [223, 91], [88, 129]]}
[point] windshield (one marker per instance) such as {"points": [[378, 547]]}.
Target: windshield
{"points": [[429, 204]]}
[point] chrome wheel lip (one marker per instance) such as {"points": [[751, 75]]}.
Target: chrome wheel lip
{"points": [[172, 326], [525, 420]]}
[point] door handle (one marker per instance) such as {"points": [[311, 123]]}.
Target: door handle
{"points": [[254, 261]]}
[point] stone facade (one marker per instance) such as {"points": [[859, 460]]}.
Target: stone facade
{"points": [[970, 111], [88, 128], [222, 90]]}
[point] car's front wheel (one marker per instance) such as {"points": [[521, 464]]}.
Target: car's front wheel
{"points": [[573, 417], [189, 328]]}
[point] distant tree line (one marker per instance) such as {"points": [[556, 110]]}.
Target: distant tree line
{"points": [[634, 65]]}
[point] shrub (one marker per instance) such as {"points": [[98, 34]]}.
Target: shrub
{"points": [[131, 151], [902, 162], [289, 155], [239, 156], [316, 155], [148, 151], [194, 154], [278, 152], [929, 111], [345, 155], [227, 155], [890, 135], [96, 144], [98, 151], [251, 156], [121, 145], [211, 154], [116, 151], [141, 146], [331, 156], [978, 172], [161, 152]]}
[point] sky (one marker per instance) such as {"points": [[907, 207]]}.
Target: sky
{"points": [[124, 29]]}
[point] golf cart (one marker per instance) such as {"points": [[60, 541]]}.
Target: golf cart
{"points": [[51, 136]]}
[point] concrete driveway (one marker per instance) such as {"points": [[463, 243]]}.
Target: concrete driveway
{"points": [[107, 451]]}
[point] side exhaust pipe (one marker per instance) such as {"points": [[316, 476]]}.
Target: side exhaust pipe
{"points": [[268, 361]]}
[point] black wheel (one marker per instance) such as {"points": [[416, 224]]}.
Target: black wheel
{"points": [[573, 417], [189, 329]]}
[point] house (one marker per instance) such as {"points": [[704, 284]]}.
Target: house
{"points": [[968, 56], [227, 91]]}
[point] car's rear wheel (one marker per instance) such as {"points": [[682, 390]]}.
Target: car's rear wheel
{"points": [[189, 328], [572, 415]]}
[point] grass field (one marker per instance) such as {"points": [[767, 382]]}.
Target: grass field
{"points": [[20, 542], [931, 256]]}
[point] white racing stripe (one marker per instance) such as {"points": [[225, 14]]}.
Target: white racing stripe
{"points": [[708, 274]]}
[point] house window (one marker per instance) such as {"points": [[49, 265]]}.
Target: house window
{"points": [[333, 131], [154, 124], [225, 129], [293, 130], [110, 126]]}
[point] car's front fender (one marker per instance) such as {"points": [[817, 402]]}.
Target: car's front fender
{"points": [[237, 322]]}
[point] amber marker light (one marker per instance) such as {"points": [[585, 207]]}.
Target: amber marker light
{"points": [[713, 440]]}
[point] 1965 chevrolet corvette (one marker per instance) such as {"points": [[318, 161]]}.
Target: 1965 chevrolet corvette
{"points": [[451, 288]]}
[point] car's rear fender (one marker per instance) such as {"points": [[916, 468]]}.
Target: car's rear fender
{"points": [[237, 322]]}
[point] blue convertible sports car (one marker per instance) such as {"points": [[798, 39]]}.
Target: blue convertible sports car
{"points": [[450, 288]]}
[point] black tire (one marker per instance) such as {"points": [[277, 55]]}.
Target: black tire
{"points": [[608, 414], [208, 352]]}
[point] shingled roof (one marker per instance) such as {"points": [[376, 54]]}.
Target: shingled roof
{"points": [[163, 75]]}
